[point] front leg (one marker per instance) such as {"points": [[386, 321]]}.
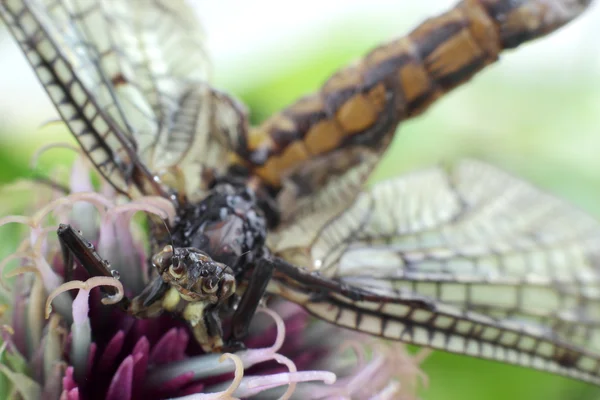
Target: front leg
{"points": [[73, 244], [206, 326], [261, 275], [151, 301]]}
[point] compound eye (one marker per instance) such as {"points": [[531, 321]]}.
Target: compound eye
{"points": [[210, 285], [176, 269]]}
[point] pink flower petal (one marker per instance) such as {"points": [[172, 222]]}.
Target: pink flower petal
{"points": [[121, 384], [180, 345], [140, 354], [162, 351], [72, 394], [111, 351], [68, 380]]}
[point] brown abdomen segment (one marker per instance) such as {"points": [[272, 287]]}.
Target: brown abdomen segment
{"points": [[362, 104]]}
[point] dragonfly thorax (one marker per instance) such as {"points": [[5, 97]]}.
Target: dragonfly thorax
{"points": [[228, 225]]}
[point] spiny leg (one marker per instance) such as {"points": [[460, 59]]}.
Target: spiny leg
{"points": [[146, 304], [73, 244], [317, 281]]}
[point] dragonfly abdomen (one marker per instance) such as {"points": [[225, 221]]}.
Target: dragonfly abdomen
{"points": [[362, 104]]}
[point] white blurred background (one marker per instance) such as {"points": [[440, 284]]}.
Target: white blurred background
{"points": [[253, 41]]}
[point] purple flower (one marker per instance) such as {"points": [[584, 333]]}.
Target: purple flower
{"points": [[62, 340]]}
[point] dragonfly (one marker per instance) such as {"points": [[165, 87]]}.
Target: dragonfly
{"points": [[462, 258]]}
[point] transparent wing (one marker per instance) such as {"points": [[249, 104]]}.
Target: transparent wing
{"points": [[129, 79], [468, 260], [324, 187]]}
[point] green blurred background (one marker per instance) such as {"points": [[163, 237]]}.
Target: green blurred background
{"points": [[536, 114]]}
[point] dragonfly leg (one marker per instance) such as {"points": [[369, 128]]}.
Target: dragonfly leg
{"points": [[261, 275], [149, 303], [74, 245], [209, 333], [315, 280]]}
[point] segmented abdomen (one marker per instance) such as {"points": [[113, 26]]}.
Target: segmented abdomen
{"points": [[363, 103]]}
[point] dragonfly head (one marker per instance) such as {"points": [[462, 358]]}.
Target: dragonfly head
{"points": [[194, 274]]}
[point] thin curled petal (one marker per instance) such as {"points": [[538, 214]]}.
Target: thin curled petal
{"points": [[101, 202], [239, 374], [206, 365], [256, 384], [138, 206], [389, 392], [253, 385], [255, 356], [362, 378], [422, 354], [51, 122], [23, 270], [227, 394], [18, 185], [24, 245], [16, 219], [418, 359], [357, 348], [50, 278], [407, 366], [161, 203], [41, 150], [38, 239], [292, 369], [87, 286], [6, 260]]}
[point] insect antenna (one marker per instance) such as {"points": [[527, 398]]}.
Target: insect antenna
{"points": [[168, 232]]}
